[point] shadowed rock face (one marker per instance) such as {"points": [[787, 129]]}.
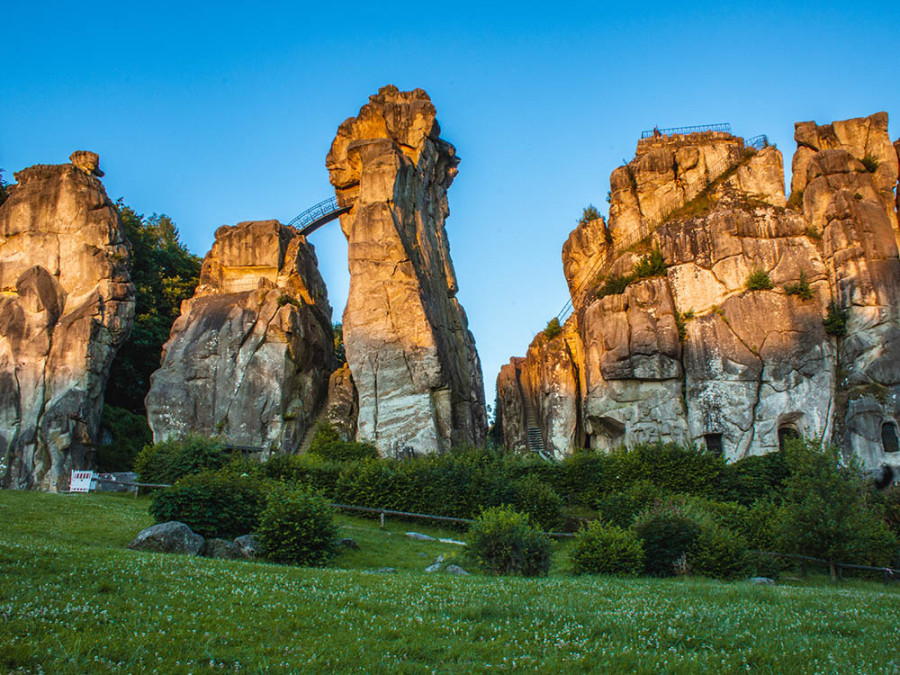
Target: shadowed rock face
{"points": [[694, 355], [66, 305], [412, 357], [249, 358]]}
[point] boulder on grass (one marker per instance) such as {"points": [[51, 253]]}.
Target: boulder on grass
{"points": [[171, 537], [223, 549], [248, 545]]}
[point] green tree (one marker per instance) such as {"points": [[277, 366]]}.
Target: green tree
{"points": [[4, 188], [340, 355], [164, 273], [828, 511]]}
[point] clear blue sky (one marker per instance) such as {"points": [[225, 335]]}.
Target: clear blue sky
{"points": [[224, 112]]}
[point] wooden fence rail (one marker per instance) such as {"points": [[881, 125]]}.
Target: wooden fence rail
{"points": [[888, 574]]}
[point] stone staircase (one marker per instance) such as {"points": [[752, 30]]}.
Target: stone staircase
{"points": [[533, 433]]}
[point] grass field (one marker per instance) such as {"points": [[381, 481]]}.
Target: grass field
{"points": [[73, 599]]}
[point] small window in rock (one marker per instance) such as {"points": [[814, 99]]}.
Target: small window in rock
{"points": [[785, 434], [889, 441], [714, 444]]}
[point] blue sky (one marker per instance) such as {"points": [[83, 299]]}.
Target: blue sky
{"points": [[215, 114]]}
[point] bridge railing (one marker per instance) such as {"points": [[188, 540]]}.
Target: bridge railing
{"points": [[313, 213], [724, 127]]}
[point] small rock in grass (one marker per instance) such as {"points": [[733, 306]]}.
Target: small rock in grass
{"points": [[762, 581], [422, 554], [171, 537], [456, 569], [418, 536], [248, 545], [347, 542], [436, 567], [222, 548], [453, 541], [386, 570]]}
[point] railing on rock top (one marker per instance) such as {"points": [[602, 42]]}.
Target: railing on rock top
{"points": [[723, 127], [670, 206]]}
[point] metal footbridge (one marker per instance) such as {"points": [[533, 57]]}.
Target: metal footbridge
{"points": [[322, 213]]}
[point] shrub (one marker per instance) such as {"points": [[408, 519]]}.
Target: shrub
{"points": [[621, 508], [285, 299], [538, 501], [328, 444], [870, 163], [308, 470], [653, 265], [795, 201], [589, 213], [759, 281], [170, 460], [214, 504], [584, 477], [502, 541], [668, 532], [718, 552], [670, 467], [614, 285], [753, 478], [606, 549], [801, 289], [297, 528], [553, 329], [836, 321]]}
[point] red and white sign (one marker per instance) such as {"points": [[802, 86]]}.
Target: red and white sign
{"points": [[81, 481]]}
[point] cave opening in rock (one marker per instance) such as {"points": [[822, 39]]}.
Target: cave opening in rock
{"points": [[785, 434], [714, 444], [889, 440]]}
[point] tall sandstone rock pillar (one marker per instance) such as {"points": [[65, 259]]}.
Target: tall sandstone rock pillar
{"points": [[66, 305], [248, 360], [412, 357]]}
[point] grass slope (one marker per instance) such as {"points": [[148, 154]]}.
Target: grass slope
{"points": [[72, 599]]}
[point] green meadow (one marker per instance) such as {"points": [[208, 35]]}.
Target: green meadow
{"points": [[73, 599]]}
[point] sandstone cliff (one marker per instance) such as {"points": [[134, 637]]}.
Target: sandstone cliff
{"points": [[680, 345], [66, 305], [412, 357], [249, 358]]}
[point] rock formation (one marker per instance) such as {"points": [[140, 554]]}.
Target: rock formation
{"points": [[249, 358], [408, 346], [680, 345], [66, 304]]}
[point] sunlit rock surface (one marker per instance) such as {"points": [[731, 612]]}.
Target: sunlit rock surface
{"points": [[250, 356], [412, 358], [66, 305], [693, 354]]}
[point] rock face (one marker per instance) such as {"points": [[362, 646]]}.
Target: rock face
{"points": [[692, 351], [249, 358], [409, 350], [66, 305]]}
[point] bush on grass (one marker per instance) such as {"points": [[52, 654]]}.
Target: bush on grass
{"points": [[214, 504], [606, 549], [503, 541], [168, 461], [668, 532], [297, 528]]}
